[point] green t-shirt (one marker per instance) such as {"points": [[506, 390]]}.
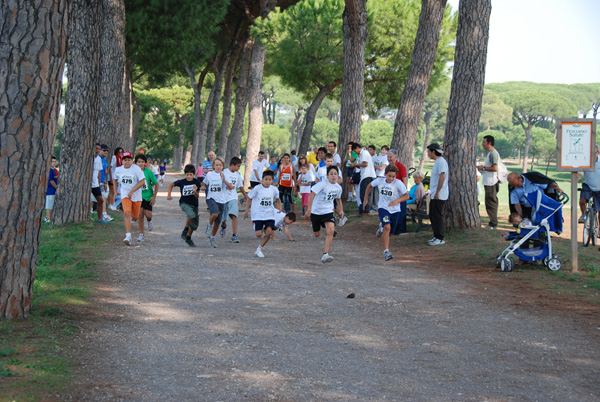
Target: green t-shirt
{"points": [[147, 188], [354, 156]]}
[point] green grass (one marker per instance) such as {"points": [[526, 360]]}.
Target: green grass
{"points": [[33, 363]]}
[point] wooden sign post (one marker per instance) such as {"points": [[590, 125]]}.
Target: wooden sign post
{"points": [[576, 152]]}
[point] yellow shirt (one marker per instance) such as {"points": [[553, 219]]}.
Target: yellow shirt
{"points": [[312, 158]]}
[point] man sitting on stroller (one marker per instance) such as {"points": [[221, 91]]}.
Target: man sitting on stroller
{"points": [[519, 185]]}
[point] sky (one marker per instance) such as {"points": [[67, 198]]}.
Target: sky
{"points": [[546, 41]]}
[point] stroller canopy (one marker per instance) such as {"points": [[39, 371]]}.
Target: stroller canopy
{"points": [[545, 207]]}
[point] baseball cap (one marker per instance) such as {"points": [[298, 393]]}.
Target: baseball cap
{"points": [[104, 147], [434, 146], [126, 155]]}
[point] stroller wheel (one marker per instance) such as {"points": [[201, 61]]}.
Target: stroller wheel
{"points": [[554, 264], [506, 265], [497, 260]]}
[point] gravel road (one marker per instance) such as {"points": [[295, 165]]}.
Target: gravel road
{"points": [[175, 323]]}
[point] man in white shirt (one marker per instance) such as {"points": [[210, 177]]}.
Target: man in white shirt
{"points": [[438, 186], [489, 174], [331, 148], [96, 190], [367, 174], [591, 184], [258, 167]]}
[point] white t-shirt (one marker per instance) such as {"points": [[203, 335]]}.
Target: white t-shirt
{"points": [[235, 178], [592, 179], [326, 193], [216, 187], [97, 169], [490, 178], [128, 179], [322, 173], [369, 170], [378, 161], [156, 169], [389, 192], [440, 166], [260, 168], [279, 219], [337, 159], [262, 208], [306, 179], [113, 166]]}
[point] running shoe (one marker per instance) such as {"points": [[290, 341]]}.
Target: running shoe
{"points": [[190, 242], [149, 226], [259, 253], [208, 229], [387, 255], [235, 238], [437, 242], [127, 240], [140, 237], [342, 221], [184, 234], [326, 258], [223, 230], [581, 219], [431, 240], [379, 231], [102, 221], [112, 207], [107, 217], [213, 241], [46, 220]]}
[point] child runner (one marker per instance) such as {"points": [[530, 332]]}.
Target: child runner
{"points": [[155, 169], [391, 193], [190, 191], [322, 176], [320, 208], [283, 220], [260, 200], [149, 191], [237, 181], [162, 169], [305, 182], [131, 179], [216, 183], [286, 174]]}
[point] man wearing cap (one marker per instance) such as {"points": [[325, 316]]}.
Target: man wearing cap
{"points": [[438, 185], [96, 179]]}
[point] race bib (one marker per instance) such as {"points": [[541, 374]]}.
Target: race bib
{"points": [[387, 192], [266, 202], [330, 195], [145, 186], [126, 179], [286, 176], [304, 180], [188, 190], [215, 186], [233, 181]]}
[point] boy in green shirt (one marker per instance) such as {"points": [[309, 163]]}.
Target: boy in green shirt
{"points": [[149, 191]]}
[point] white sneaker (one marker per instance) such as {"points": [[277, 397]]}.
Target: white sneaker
{"points": [[208, 229], [150, 226], [342, 221], [431, 240], [581, 219], [437, 242], [140, 237], [127, 241], [107, 217], [326, 258], [259, 253], [379, 231], [213, 241], [112, 207], [387, 255]]}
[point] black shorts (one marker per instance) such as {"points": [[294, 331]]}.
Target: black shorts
{"points": [[146, 205], [284, 190], [96, 192], [318, 221], [260, 225], [253, 184], [355, 178]]}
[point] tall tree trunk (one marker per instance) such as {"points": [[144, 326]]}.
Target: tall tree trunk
{"points": [[178, 159], [227, 95], [197, 87], [299, 131], [415, 90], [352, 103], [187, 159], [293, 130], [528, 139], [214, 111], [112, 129], [464, 110], [241, 101], [126, 118], [72, 203], [137, 119], [311, 114], [32, 55], [426, 140]]}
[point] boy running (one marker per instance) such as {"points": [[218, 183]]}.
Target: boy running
{"points": [[320, 208], [190, 191], [237, 181], [260, 201], [283, 220], [162, 169], [149, 191], [131, 179], [216, 185], [391, 193]]}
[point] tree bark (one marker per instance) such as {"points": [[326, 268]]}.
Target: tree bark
{"points": [[197, 87], [352, 102], [311, 114], [227, 95], [528, 139], [241, 101], [136, 120], [178, 160], [216, 101], [415, 90], [72, 201], [32, 55], [114, 102], [464, 111], [427, 120]]}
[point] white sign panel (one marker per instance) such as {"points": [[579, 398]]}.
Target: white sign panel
{"points": [[576, 145]]}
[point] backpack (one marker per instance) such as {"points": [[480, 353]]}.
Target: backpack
{"points": [[502, 172]]}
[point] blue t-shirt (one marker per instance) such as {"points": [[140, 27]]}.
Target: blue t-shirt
{"points": [[186, 187], [103, 171], [53, 177], [519, 194], [162, 169], [207, 164]]}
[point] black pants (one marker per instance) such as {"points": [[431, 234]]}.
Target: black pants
{"points": [[363, 189], [436, 216]]}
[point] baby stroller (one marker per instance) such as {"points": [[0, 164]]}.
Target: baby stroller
{"points": [[533, 242]]}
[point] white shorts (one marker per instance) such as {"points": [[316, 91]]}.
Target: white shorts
{"points": [[50, 201], [232, 208]]}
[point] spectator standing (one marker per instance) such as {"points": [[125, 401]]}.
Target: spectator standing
{"points": [[258, 167], [489, 178], [367, 175], [96, 190], [438, 186], [337, 159], [51, 190], [115, 162]]}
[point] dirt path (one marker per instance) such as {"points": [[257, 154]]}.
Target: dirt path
{"points": [[176, 323]]}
